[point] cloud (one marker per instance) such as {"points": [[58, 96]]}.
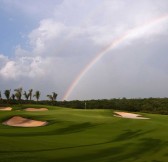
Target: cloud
{"points": [[35, 9], [23, 66], [127, 72], [3, 59], [70, 33], [119, 18], [46, 35]]}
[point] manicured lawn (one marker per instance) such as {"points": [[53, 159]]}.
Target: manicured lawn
{"points": [[84, 136]]}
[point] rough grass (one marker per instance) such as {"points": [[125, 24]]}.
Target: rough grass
{"points": [[84, 136]]}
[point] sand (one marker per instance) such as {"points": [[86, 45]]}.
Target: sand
{"points": [[19, 121], [5, 108], [129, 115], [36, 109]]}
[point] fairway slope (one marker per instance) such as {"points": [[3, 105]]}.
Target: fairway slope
{"points": [[36, 109], [19, 121], [129, 115], [84, 135], [5, 108]]}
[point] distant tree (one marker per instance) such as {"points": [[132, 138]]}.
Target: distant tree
{"points": [[0, 95], [37, 95], [50, 97], [13, 97], [7, 94], [18, 93], [53, 96], [26, 95], [30, 93]]}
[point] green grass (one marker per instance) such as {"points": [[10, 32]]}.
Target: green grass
{"points": [[84, 136]]}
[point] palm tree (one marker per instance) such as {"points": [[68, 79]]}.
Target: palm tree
{"points": [[13, 97], [50, 97], [0, 95], [26, 95], [7, 94], [30, 93], [37, 95], [54, 96], [18, 93]]}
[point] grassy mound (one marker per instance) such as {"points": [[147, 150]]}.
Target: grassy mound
{"points": [[84, 135]]}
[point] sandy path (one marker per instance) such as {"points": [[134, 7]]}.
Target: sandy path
{"points": [[129, 115], [5, 108], [19, 121], [36, 109]]}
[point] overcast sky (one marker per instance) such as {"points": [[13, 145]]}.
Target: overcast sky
{"points": [[46, 44]]}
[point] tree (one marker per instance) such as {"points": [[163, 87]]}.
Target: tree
{"points": [[26, 95], [18, 93], [50, 97], [7, 94], [37, 95], [53, 96], [13, 97], [0, 95], [30, 93]]}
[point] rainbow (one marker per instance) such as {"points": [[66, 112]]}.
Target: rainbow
{"points": [[127, 35]]}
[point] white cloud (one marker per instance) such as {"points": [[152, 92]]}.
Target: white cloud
{"points": [[44, 36], [23, 67], [70, 33], [9, 70], [119, 18], [3, 59]]}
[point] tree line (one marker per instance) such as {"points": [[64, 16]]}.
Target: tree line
{"points": [[151, 105], [28, 95]]}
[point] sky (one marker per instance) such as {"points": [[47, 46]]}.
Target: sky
{"points": [[87, 49]]}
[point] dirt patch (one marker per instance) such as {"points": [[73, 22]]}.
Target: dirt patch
{"points": [[5, 108], [129, 115], [36, 109], [18, 121]]}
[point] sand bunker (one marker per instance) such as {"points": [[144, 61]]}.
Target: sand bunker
{"points": [[19, 121], [5, 108], [129, 115], [36, 109]]}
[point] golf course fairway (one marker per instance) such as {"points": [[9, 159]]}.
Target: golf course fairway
{"points": [[74, 135]]}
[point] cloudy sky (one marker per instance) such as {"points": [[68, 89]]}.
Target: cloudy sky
{"points": [[54, 45]]}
